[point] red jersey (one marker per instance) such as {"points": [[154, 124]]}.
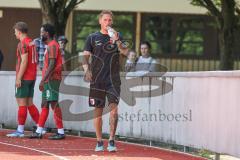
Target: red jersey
{"points": [[26, 46], [53, 52]]}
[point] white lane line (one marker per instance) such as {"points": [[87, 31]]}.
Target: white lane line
{"points": [[71, 149], [51, 154]]}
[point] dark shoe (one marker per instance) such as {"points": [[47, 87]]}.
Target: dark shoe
{"points": [[34, 129], [57, 136], [35, 135]]}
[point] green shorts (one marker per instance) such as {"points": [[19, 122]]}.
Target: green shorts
{"points": [[51, 90], [26, 90]]}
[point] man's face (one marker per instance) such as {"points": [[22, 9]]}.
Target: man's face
{"points": [[62, 44], [132, 56], [17, 33], [144, 50], [43, 34], [105, 21]]}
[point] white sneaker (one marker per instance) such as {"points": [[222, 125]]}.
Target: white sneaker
{"points": [[44, 131], [16, 134]]}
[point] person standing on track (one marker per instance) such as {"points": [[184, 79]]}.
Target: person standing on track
{"points": [[50, 83], [104, 75], [26, 71]]}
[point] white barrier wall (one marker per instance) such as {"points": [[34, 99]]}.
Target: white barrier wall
{"points": [[198, 109]]}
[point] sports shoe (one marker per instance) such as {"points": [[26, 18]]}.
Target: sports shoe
{"points": [[16, 134], [99, 147], [34, 128], [44, 131], [35, 135], [57, 136], [111, 146]]}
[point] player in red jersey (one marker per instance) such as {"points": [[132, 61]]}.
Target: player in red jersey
{"points": [[26, 70], [49, 85]]}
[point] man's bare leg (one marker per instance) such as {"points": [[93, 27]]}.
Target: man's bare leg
{"points": [[98, 122], [113, 120]]}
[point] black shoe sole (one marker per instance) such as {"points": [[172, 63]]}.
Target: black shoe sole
{"points": [[56, 138], [34, 137]]}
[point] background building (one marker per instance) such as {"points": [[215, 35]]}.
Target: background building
{"points": [[182, 36]]}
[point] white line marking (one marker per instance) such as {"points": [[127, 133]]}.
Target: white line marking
{"points": [[51, 154], [71, 149]]}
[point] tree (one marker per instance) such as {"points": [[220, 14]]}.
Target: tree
{"points": [[56, 12], [226, 13]]}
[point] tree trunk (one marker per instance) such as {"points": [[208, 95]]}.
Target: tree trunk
{"points": [[226, 36], [60, 26], [227, 23], [226, 50], [59, 21], [57, 12]]}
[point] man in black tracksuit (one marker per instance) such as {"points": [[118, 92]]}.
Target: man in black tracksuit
{"points": [[104, 75]]}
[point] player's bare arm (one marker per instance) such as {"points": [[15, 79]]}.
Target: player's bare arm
{"points": [[23, 67], [52, 62], [88, 73], [122, 48]]}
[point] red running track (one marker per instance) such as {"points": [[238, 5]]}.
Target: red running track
{"points": [[78, 148]]}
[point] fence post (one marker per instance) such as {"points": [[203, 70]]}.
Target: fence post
{"points": [[217, 156], [1, 125], [186, 149]]}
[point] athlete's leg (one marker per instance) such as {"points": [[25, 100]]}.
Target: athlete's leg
{"points": [[98, 122], [33, 110], [22, 113], [58, 121], [113, 120], [57, 116]]}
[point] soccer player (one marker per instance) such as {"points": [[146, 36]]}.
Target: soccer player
{"points": [[103, 74], [49, 85], [26, 69]]}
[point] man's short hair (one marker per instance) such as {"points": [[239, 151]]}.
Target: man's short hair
{"points": [[50, 29], [105, 12], [146, 43], [63, 39], [21, 26]]}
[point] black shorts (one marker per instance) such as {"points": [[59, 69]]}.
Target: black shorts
{"points": [[99, 91]]}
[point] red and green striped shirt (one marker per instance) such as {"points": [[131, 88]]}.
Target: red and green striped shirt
{"points": [[26, 46]]}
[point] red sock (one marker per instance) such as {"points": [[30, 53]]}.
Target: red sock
{"points": [[34, 113], [43, 117], [58, 117], [22, 115]]}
